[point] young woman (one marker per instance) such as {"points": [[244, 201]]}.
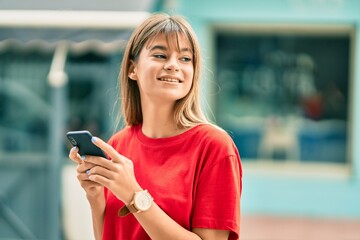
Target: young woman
{"points": [[172, 174]]}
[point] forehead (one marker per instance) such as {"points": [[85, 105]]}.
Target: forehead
{"points": [[174, 40]]}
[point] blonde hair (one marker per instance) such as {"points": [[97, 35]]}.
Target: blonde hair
{"points": [[187, 110]]}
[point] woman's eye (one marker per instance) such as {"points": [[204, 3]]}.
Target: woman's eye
{"points": [[162, 56], [186, 59]]}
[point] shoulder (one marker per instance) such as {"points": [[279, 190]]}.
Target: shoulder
{"points": [[214, 139], [214, 134], [216, 148], [122, 136]]}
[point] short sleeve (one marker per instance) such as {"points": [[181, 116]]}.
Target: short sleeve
{"points": [[217, 197]]}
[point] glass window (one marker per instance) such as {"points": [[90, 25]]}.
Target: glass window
{"points": [[35, 114], [92, 93], [24, 101], [285, 96], [26, 105]]}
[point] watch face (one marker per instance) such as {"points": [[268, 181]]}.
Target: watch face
{"points": [[143, 201]]}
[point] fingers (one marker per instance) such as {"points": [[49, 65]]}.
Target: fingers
{"points": [[113, 154], [83, 177], [86, 169], [100, 180], [99, 161], [82, 168], [74, 155], [89, 184], [96, 174]]}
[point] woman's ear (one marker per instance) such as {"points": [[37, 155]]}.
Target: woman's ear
{"points": [[132, 71]]}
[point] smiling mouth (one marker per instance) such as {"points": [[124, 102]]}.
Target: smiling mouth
{"points": [[171, 80]]}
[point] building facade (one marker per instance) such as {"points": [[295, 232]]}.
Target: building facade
{"points": [[284, 75]]}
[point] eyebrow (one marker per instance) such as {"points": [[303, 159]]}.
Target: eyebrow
{"points": [[163, 48]]}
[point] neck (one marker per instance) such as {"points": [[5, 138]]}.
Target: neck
{"points": [[158, 121]]}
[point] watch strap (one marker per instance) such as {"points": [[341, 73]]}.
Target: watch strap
{"points": [[126, 209], [123, 211]]}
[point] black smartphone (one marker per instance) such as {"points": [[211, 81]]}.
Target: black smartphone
{"points": [[82, 140]]}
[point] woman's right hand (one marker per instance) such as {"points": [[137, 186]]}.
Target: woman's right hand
{"points": [[91, 188], [94, 191]]}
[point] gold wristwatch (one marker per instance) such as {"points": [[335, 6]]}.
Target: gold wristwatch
{"points": [[141, 202]]}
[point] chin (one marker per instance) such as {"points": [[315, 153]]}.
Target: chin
{"points": [[170, 98]]}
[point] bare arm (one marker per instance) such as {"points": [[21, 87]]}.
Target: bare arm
{"points": [[94, 193], [97, 212], [159, 226], [211, 234]]}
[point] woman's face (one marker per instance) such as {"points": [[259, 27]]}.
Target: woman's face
{"points": [[163, 71]]}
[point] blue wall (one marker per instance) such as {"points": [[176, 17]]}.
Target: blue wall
{"points": [[279, 191]]}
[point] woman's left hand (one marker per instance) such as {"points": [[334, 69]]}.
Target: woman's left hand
{"points": [[116, 174]]}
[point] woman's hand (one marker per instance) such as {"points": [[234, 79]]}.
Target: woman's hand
{"points": [[91, 188], [94, 192], [116, 174]]}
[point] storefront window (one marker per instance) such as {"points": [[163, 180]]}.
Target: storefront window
{"points": [[52, 80], [24, 101], [92, 92], [25, 98], [285, 96]]}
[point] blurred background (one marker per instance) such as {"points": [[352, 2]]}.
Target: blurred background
{"points": [[281, 76]]}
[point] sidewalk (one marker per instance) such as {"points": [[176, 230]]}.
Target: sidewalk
{"points": [[288, 228]]}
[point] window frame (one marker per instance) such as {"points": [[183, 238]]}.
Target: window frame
{"points": [[299, 168]]}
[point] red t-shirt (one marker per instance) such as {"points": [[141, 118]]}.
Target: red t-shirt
{"points": [[194, 177]]}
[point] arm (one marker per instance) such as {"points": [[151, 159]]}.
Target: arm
{"points": [[97, 206], [94, 193], [212, 234], [159, 226]]}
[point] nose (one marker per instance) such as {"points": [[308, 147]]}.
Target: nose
{"points": [[172, 65]]}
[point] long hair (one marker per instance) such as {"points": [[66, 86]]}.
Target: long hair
{"points": [[187, 109]]}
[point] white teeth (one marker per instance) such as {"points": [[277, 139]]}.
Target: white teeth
{"points": [[169, 80]]}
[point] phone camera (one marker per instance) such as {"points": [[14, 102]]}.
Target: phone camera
{"points": [[73, 142]]}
